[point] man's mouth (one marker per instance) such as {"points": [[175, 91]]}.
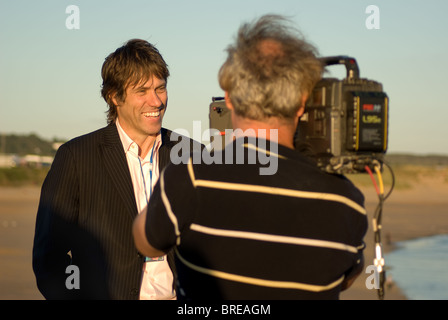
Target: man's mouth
{"points": [[153, 114]]}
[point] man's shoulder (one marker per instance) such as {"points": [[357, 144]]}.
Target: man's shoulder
{"points": [[171, 135], [340, 184], [92, 138], [171, 138]]}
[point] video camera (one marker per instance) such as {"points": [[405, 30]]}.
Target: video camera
{"points": [[345, 124]]}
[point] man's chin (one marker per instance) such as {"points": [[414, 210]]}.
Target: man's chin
{"points": [[154, 130]]}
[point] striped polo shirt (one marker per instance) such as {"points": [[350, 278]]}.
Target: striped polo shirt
{"points": [[239, 234]]}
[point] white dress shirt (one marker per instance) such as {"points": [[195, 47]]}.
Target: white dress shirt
{"points": [[157, 280]]}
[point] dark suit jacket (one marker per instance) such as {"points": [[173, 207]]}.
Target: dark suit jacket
{"points": [[87, 208]]}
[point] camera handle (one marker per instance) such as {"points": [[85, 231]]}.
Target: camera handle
{"points": [[350, 64]]}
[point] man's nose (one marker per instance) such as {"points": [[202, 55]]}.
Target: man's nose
{"points": [[153, 99]]}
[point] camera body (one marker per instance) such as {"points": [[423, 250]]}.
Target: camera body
{"points": [[345, 124]]}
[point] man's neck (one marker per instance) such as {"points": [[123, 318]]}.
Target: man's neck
{"points": [[283, 130], [145, 146], [144, 142]]}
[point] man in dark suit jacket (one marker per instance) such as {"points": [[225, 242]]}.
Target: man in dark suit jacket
{"points": [[89, 198]]}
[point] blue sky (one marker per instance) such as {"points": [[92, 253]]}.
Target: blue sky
{"points": [[50, 75]]}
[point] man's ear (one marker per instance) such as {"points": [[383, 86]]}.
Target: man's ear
{"points": [[113, 98], [228, 102], [302, 106]]}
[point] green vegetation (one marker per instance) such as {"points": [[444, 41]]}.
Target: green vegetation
{"points": [[408, 169], [26, 144], [406, 175], [20, 176], [22, 145]]}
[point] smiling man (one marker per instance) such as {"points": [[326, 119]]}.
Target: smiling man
{"points": [[101, 181]]}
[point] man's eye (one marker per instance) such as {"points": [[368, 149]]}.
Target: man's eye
{"points": [[161, 89]]}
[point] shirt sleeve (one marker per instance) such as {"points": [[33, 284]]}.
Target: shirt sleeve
{"points": [[171, 208]]}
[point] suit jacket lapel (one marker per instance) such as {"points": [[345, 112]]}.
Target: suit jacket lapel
{"points": [[165, 149], [115, 162], [188, 145]]}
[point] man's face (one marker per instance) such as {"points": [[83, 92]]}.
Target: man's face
{"points": [[142, 111]]}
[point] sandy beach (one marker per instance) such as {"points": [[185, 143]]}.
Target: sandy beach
{"points": [[419, 211], [18, 207], [409, 213]]}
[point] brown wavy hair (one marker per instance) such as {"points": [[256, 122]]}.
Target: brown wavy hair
{"points": [[133, 63]]}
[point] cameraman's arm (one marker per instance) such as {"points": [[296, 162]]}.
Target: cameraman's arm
{"points": [[170, 211], [353, 273]]}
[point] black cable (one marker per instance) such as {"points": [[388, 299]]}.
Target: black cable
{"points": [[377, 234], [393, 180]]}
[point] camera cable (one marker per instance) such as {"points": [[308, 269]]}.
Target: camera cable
{"points": [[376, 222]]}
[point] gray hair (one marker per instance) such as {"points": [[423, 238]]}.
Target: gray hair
{"points": [[269, 69]]}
